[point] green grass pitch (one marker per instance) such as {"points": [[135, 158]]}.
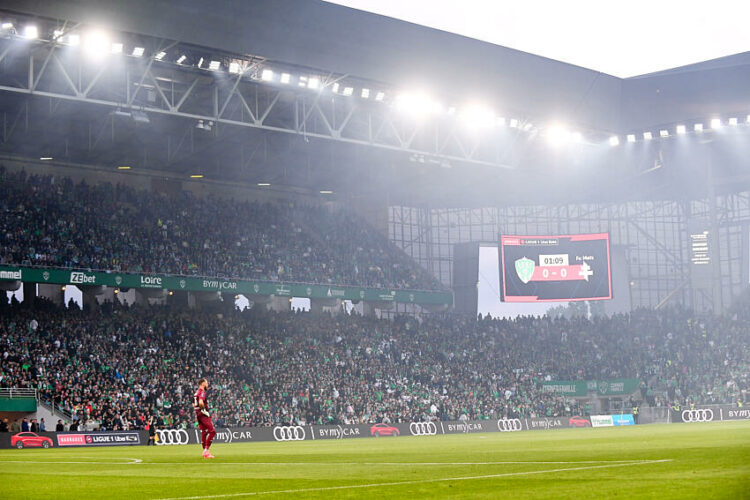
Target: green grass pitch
{"points": [[705, 461]]}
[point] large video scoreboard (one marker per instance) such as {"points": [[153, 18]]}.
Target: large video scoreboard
{"points": [[555, 268]]}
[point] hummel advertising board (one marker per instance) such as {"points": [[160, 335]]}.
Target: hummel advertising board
{"points": [[555, 268]]}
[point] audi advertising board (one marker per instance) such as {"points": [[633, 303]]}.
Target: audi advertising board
{"points": [[555, 268], [699, 415], [171, 437], [225, 435], [291, 433]]}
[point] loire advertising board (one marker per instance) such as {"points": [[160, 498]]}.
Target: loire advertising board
{"points": [[555, 268]]}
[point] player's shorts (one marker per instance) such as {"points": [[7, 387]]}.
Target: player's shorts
{"points": [[204, 422]]}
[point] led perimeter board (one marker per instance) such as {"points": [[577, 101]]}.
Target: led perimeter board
{"points": [[555, 268]]}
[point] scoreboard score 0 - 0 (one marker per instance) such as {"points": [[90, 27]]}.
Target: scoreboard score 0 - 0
{"points": [[555, 268]]}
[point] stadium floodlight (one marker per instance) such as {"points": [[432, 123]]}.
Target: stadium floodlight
{"points": [[326, 191], [313, 82], [476, 115], [96, 44], [73, 40], [138, 51], [200, 62], [335, 87], [733, 121], [698, 127], [57, 34], [159, 56], [680, 129], [528, 126], [348, 91], [264, 184], [647, 136], [235, 68], [663, 133], [747, 120], [45, 158], [631, 137], [557, 134], [116, 48], [196, 176], [285, 78], [302, 82], [500, 121], [365, 94], [7, 26], [416, 104], [266, 75], [513, 123], [31, 32], [181, 59], [380, 96], [123, 167], [214, 65], [614, 141], [715, 123]]}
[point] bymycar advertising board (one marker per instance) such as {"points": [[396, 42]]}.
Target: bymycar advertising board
{"points": [[713, 413], [225, 435]]}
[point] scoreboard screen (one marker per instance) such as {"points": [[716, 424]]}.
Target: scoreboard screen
{"points": [[555, 268]]}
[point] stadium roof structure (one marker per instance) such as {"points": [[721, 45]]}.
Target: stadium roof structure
{"points": [[318, 97]]}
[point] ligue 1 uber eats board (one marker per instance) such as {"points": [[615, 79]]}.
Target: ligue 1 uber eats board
{"points": [[555, 268]]}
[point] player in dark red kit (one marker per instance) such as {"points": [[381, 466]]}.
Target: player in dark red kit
{"points": [[200, 405]]}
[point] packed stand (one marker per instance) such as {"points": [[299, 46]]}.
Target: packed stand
{"points": [[119, 367], [49, 221]]}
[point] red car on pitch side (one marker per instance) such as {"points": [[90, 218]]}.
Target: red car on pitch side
{"points": [[383, 430], [579, 422], [29, 439]]}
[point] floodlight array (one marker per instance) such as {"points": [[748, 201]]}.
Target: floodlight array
{"points": [[712, 124], [413, 104]]}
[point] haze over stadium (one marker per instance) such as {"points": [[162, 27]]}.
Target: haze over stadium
{"points": [[292, 248]]}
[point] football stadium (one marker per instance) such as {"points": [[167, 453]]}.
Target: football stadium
{"points": [[295, 249]]}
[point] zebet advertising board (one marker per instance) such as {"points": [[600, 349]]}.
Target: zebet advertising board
{"points": [[233, 286], [555, 268]]}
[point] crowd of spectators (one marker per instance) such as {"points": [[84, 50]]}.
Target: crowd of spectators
{"points": [[118, 367], [50, 221]]}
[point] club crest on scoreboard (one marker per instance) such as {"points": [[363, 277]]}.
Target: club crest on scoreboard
{"points": [[525, 269]]}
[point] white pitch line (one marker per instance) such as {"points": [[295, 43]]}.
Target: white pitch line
{"points": [[422, 481], [133, 461], [138, 461], [202, 463]]}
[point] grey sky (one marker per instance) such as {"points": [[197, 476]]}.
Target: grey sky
{"points": [[619, 38]]}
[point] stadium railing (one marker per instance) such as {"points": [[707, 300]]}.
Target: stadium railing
{"points": [[15, 392]]}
